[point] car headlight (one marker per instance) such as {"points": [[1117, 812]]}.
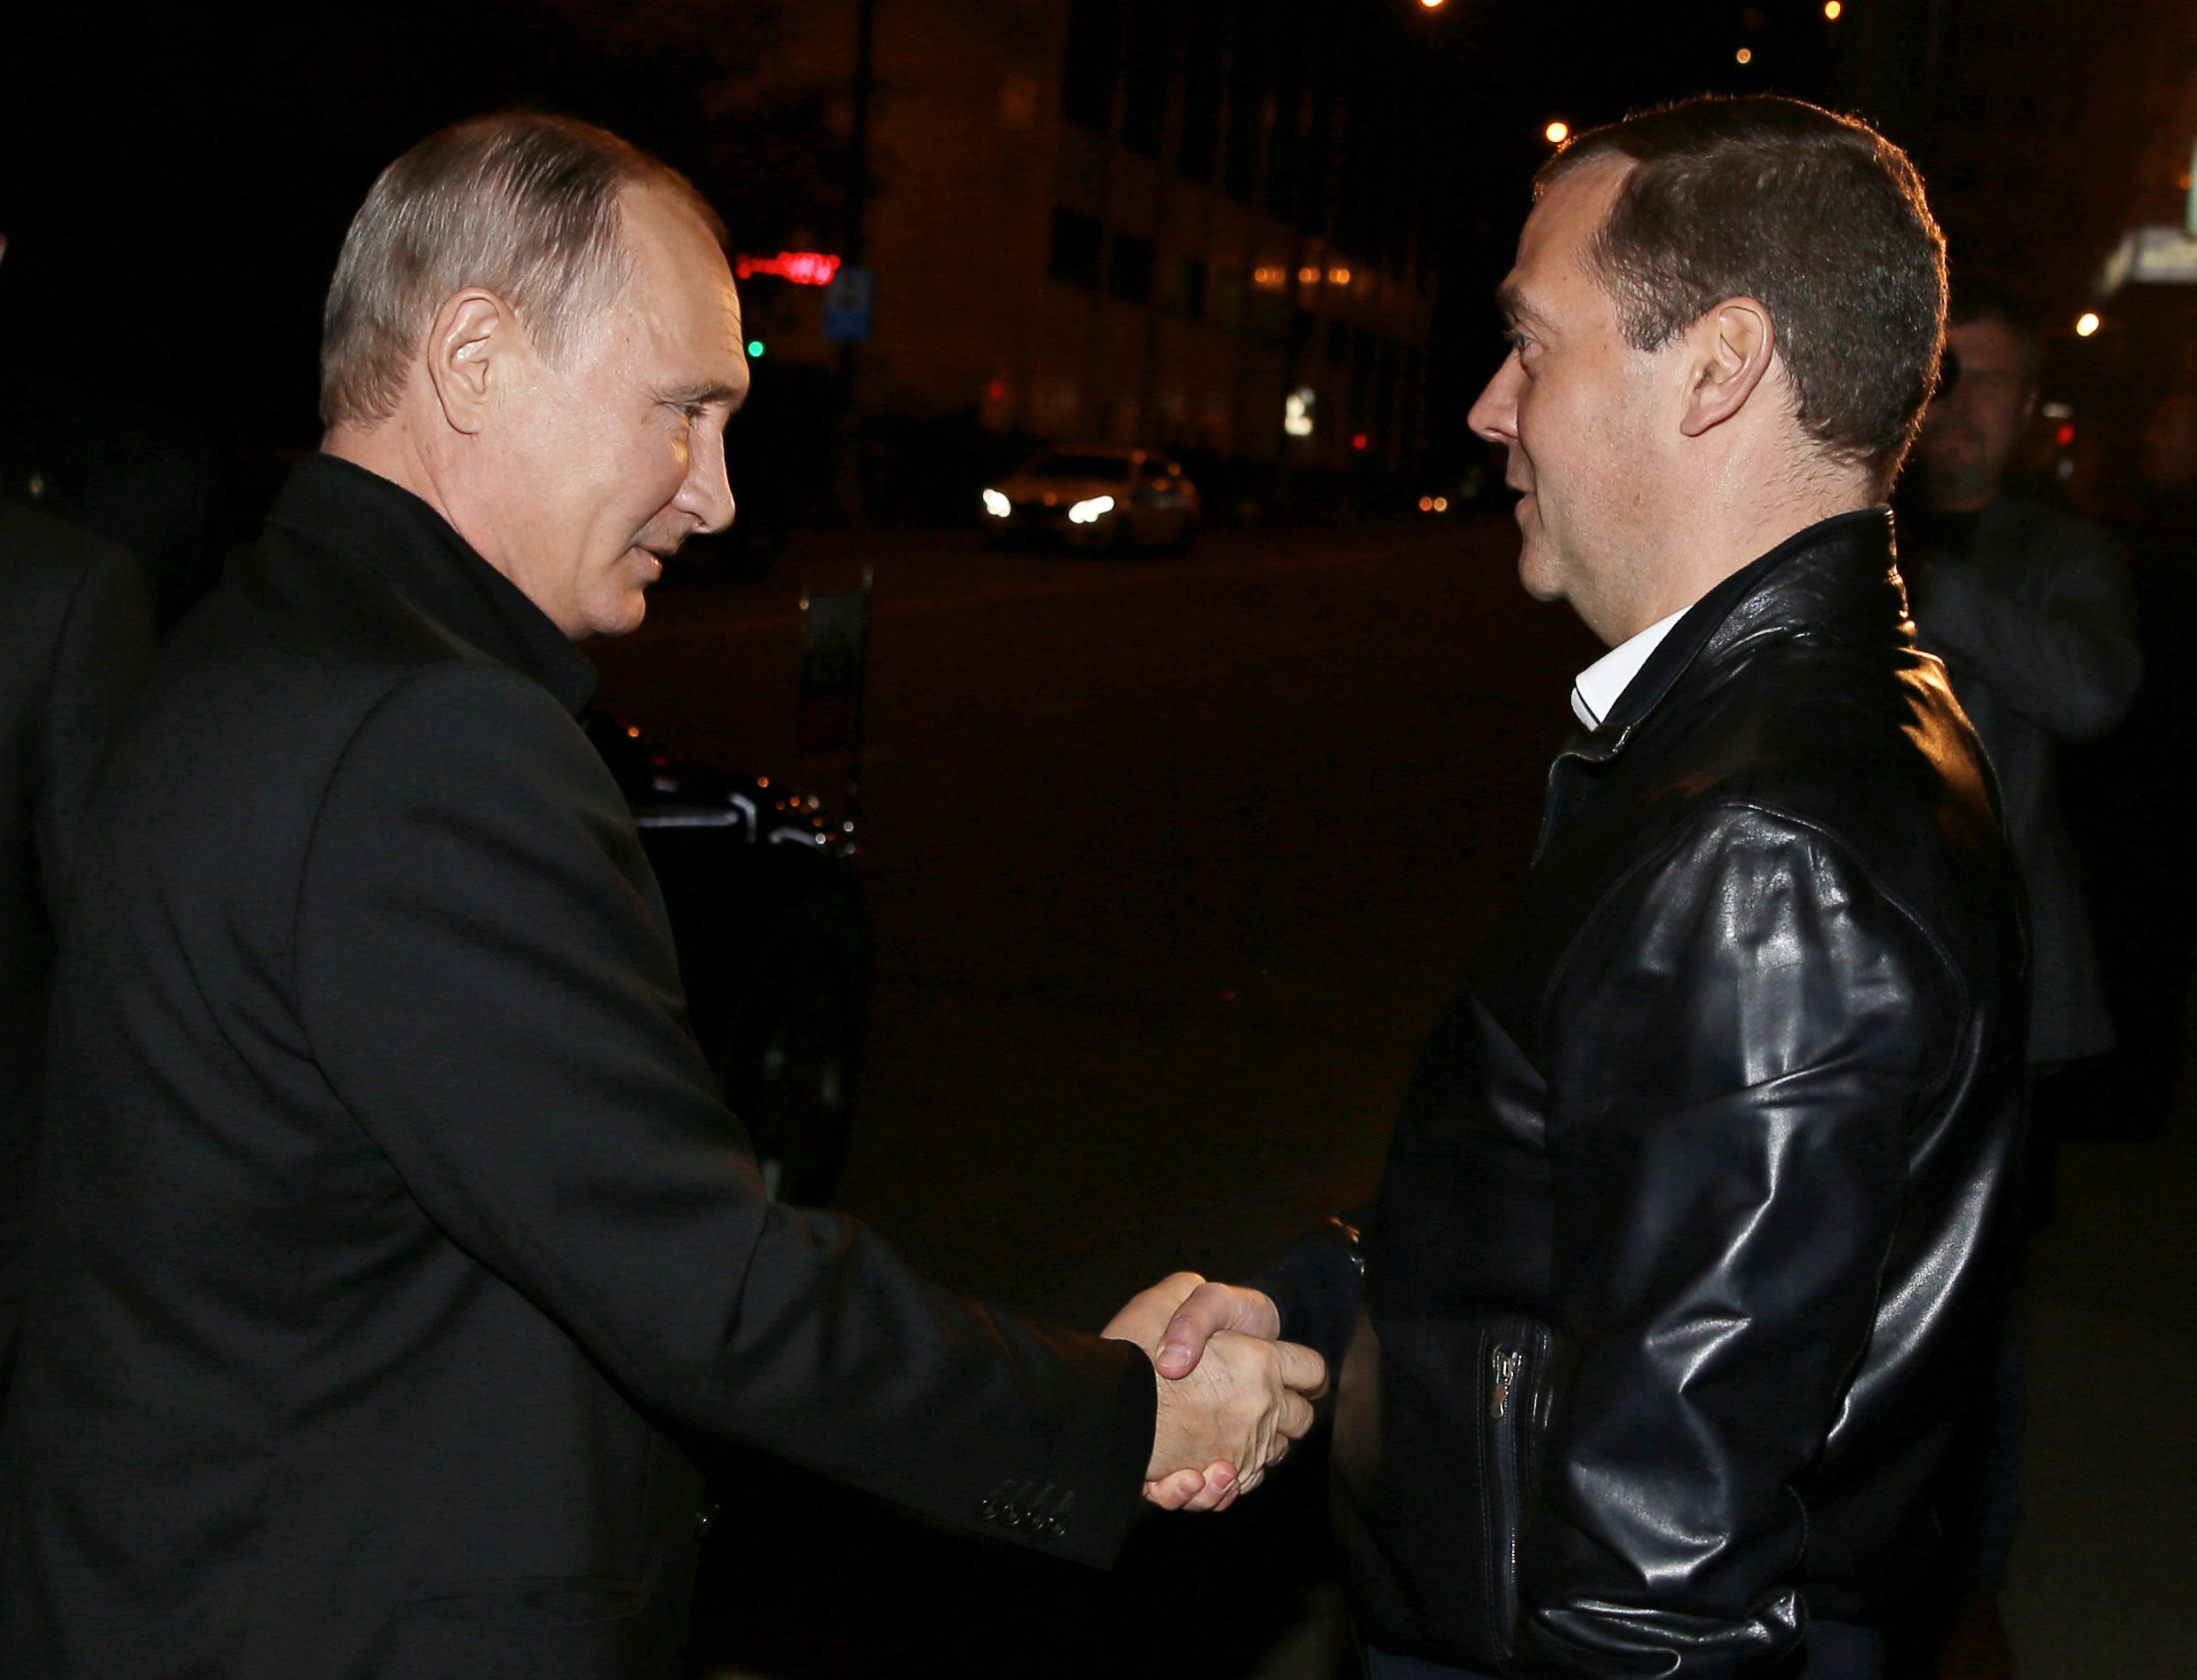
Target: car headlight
{"points": [[997, 505], [1090, 512]]}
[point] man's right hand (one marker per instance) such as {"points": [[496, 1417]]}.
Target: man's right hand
{"points": [[1244, 1402]]}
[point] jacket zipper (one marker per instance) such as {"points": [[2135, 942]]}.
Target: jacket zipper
{"points": [[1506, 1362], [1506, 1365]]}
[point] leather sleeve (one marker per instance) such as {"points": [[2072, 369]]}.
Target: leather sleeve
{"points": [[2062, 655], [1744, 1032], [487, 988], [105, 648]]}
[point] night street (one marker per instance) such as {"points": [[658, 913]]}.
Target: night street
{"points": [[1172, 864]]}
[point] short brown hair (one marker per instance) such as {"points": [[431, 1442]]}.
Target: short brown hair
{"points": [[1818, 216], [523, 204]]}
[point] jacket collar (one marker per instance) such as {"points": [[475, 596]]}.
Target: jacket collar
{"points": [[386, 529], [1837, 570]]}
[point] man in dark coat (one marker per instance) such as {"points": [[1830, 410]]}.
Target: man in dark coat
{"points": [[1696, 1225], [75, 642], [392, 1236], [2028, 607]]}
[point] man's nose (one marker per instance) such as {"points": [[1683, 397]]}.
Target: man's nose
{"points": [[707, 492], [1495, 415]]}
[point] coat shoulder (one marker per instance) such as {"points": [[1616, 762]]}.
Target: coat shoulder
{"points": [[46, 563]]}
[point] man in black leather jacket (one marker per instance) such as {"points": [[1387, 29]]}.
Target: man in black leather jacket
{"points": [[1693, 1230]]}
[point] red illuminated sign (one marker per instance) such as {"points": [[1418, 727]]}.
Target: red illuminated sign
{"points": [[802, 267]]}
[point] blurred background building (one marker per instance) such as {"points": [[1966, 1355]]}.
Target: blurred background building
{"points": [[1199, 226]]}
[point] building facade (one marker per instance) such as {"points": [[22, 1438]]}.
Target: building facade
{"points": [[1199, 226]]}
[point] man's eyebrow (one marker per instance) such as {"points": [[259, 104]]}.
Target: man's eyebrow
{"points": [[719, 392], [1512, 305]]}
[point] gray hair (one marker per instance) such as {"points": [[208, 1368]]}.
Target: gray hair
{"points": [[525, 205]]}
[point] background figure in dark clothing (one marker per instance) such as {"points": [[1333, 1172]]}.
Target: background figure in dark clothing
{"points": [[74, 640], [2027, 604]]}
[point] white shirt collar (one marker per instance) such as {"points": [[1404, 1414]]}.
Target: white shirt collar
{"points": [[1597, 688]]}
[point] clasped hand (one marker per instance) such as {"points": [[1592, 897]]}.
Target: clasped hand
{"points": [[1231, 1396]]}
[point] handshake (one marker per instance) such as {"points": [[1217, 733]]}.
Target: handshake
{"points": [[1231, 1396]]}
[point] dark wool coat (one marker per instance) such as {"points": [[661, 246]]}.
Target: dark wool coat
{"points": [[392, 1233]]}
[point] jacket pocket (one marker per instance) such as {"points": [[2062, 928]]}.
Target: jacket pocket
{"points": [[1513, 1397], [1436, 1462]]}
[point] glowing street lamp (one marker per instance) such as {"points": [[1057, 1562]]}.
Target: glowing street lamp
{"points": [[2087, 323], [1556, 133], [1832, 10]]}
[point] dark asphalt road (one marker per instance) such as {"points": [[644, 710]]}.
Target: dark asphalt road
{"points": [[1171, 865]]}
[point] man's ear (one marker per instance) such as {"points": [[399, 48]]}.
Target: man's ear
{"points": [[471, 351], [1730, 347]]}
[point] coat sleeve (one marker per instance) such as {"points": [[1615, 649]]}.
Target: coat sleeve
{"points": [[1725, 1195], [488, 992], [2062, 656], [105, 648]]}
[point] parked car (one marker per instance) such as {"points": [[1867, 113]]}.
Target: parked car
{"points": [[1098, 496], [772, 944]]}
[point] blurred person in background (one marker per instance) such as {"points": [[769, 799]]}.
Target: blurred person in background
{"points": [[76, 637], [2028, 607]]}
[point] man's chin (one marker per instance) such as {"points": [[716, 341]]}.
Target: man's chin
{"points": [[619, 617], [1535, 576]]}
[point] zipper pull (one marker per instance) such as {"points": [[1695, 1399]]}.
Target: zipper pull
{"points": [[1507, 1365]]}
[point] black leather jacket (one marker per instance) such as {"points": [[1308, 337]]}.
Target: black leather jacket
{"points": [[1695, 1223]]}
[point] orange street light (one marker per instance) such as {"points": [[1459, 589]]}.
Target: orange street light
{"points": [[2087, 323], [1832, 10], [1556, 133]]}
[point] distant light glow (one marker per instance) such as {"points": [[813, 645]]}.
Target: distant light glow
{"points": [[1442, 504], [2087, 323], [2065, 436], [1745, 55], [1308, 275], [1270, 278], [1432, 6], [1360, 440], [1832, 9], [1556, 133], [1426, 504], [802, 267], [754, 348], [997, 505], [1338, 277], [1090, 512], [1297, 412]]}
